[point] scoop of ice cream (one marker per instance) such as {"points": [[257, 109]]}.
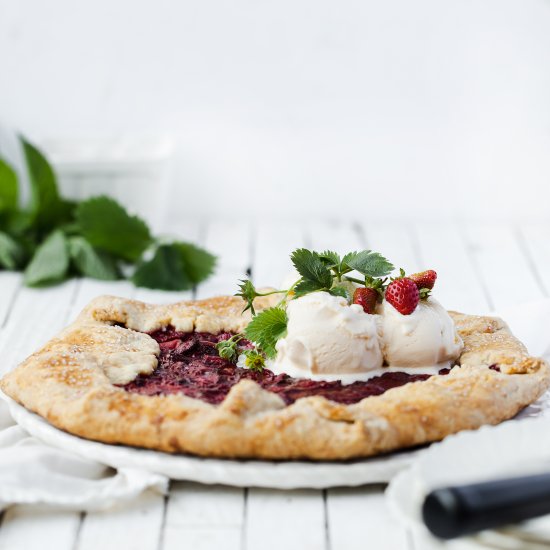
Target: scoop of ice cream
{"points": [[424, 338], [327, 336]]}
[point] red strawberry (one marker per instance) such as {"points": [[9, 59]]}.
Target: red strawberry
{"points": [[403, 295], [424, 279], [366, 298]]}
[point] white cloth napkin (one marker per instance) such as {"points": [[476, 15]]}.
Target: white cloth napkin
{"points": [[32, 472]]}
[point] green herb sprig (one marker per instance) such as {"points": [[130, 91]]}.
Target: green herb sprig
{"points": [[52, 239]]}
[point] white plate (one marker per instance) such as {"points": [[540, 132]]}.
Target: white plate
{"points": [[512, 448], [240, 473]]}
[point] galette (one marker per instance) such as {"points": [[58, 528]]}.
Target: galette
{"points": [[343, 362]]}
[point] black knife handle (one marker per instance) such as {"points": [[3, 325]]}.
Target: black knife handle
{"points": [[455, 511]]}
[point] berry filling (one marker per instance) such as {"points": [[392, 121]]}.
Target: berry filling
{"points": [[189, 363]]}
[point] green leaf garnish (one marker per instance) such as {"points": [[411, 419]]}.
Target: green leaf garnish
{"points": [[368, 263], [305, 287], [50, 263], [310, 266], [266, 328], [330, 258], [107, 225], [91, 262]]}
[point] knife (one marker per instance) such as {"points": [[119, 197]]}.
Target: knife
{"points": [[456, 511]]}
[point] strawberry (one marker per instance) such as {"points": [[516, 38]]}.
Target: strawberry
{"points": [[424, 279], [367, 298], [403, 295]]}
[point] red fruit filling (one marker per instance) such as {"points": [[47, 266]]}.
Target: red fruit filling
{"points": [[189, 363]]}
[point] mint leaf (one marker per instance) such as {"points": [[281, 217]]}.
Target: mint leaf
{"points": [[8, 188], [91, 262], [12, 254], [266, 328], [107, 225], [310, 266], [199, 263], [50, 262], [47, 209], [371, 264], [166, 270]]}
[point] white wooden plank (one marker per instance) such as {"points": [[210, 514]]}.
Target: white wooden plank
{"points": [[273, 244], [9, 285], [36, 316], [503, 267], [358, 518], [231, 242], [535, 242], [293, 520], [27, 529], [342, 237], [395, 242], [135, 526], [203, 517], [458, 286]]}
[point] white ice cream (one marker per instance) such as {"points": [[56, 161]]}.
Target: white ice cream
{"points": [[425, 338], [328, 339]]}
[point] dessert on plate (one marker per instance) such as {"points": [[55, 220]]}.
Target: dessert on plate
{"points": [[344, 362]]}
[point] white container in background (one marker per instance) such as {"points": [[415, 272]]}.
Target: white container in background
{"points": [[135, 171]]}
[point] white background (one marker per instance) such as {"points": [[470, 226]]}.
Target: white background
{"points": [[362, 109]]}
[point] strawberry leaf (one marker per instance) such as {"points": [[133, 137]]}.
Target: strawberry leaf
{"points": [[305, 287], [330, 258], [166, 270], [266, 328], [106, 225], [47, 209], [371, 264], [310, 266]]}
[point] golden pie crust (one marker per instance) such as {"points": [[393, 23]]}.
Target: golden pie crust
{"points": [[70, 382]]}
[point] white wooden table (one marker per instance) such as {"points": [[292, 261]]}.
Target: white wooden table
{"points": [[479, 266]]}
